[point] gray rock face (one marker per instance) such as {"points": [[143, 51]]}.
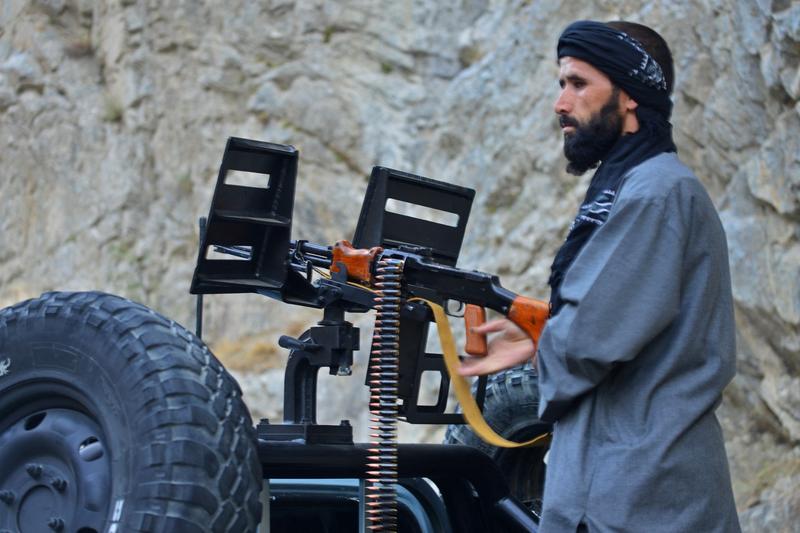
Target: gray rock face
{"points": [[113, 117]]}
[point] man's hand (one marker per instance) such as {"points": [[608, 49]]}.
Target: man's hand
{"points": [[511, 348]]}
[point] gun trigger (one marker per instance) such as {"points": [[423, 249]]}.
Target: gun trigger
{"points": [[454, 308]]}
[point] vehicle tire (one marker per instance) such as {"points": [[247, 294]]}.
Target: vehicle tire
{"points": [[115, 419], [510, 408]]}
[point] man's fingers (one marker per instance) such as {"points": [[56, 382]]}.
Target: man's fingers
{"points": [[493, 326], [480, 366], [475, 367], [497, 360]]}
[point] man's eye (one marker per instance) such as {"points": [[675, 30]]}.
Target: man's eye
{"points": [[579, 84]]}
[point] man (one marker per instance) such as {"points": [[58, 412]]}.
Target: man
{"points": [[640, 342]]}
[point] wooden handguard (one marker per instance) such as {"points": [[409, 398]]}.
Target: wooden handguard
{"points": [[530, 315], [475, 315], [357, 261]]}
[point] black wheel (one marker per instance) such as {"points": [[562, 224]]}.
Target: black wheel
{"points": [[115, 419], [511, 406]]}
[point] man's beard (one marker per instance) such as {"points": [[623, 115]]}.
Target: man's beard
{"points": [[591, 142]]}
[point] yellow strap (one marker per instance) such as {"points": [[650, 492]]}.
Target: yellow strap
{"points": [[462, 389]]}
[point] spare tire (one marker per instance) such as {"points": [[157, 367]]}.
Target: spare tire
{"points": [[114, 418], [510, 408]]}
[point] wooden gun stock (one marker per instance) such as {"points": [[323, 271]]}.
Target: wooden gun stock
{"points": [[530, 315]]}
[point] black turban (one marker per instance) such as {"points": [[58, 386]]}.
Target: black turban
{"points": [[620, 57]]}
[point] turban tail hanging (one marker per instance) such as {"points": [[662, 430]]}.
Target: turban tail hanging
{"points": [[627, 64]]}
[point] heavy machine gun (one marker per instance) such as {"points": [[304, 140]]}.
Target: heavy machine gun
{"points": [[402, 265]]}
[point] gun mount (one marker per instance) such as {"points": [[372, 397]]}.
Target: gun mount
{"points": [[246, 247], [407, 242]]}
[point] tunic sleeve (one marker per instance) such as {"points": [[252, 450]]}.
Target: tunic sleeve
{"points": [[621, 291]]}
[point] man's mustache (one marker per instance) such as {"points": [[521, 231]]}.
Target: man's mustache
{"points": [[566, 120]]}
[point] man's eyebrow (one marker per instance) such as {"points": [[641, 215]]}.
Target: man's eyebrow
{"points": [[574, 77]]}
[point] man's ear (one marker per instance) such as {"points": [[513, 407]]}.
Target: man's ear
{"points": [[627, 103], [630, 120]]}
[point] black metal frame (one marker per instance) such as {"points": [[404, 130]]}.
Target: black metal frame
{"points": [[378, 226], [259, 218]]}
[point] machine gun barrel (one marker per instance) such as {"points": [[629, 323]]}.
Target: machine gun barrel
{"points": [[305, 247], [316, 254], [242, 252]]}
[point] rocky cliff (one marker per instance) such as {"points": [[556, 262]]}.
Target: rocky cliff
{"points": [[113, 117]]}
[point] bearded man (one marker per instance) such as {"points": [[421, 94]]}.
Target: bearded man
{"points": [[640, 341]]}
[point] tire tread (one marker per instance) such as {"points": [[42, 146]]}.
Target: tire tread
{"points": [[182, 400]]}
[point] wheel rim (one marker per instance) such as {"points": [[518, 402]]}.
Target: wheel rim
{"points": [[55, 469]]}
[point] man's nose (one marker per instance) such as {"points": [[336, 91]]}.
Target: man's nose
{"points": [[563, 106]]}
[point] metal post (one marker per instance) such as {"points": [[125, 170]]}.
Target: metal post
{"points": [[362, 507], [263, 527], [198, 330]]}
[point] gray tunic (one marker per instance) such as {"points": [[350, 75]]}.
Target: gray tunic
{"points": [[633, 367]]}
